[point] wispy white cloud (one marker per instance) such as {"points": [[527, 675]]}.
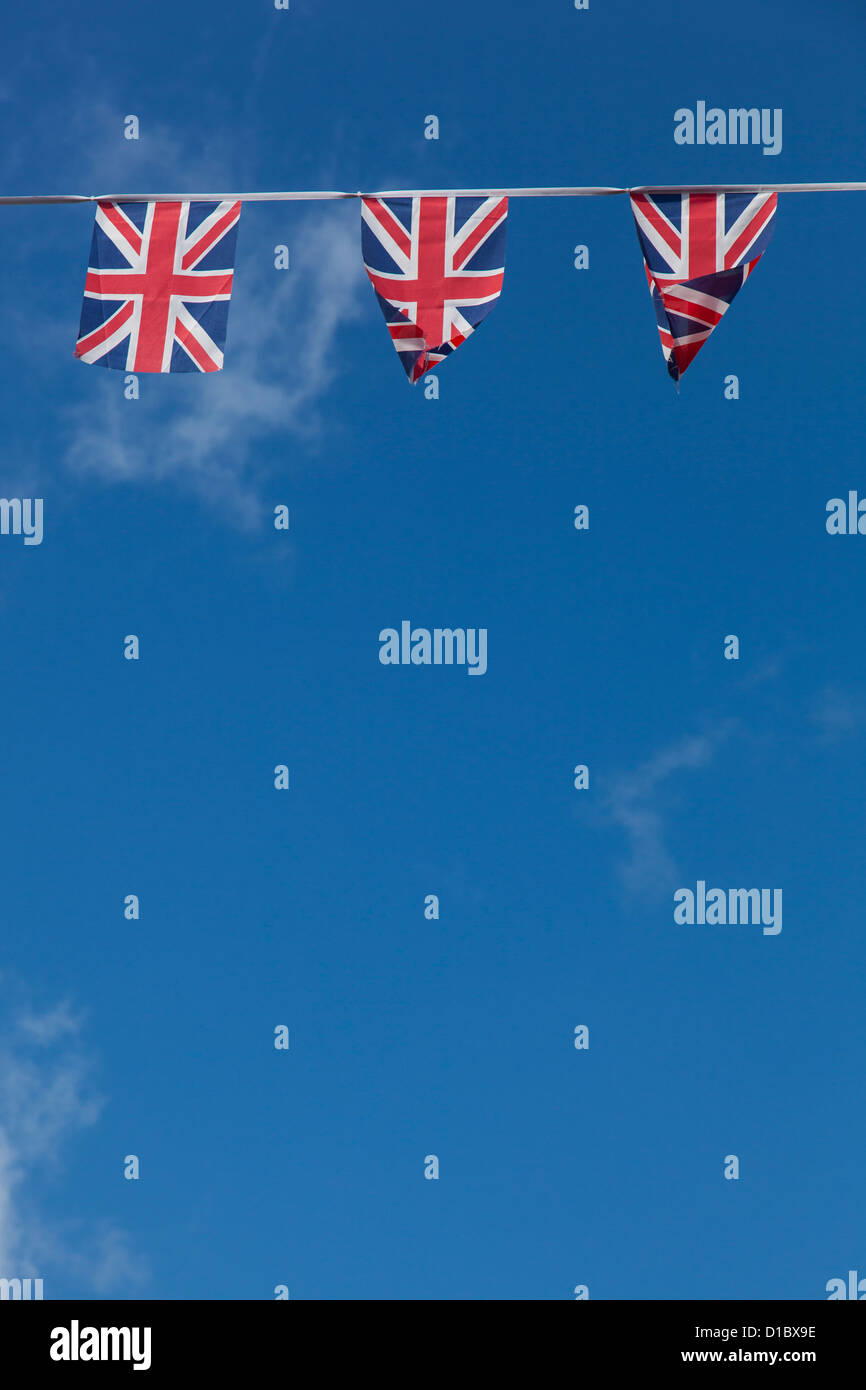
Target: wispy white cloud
{"points": [[209, 434], [48, 1027], [281, 356], [837, 713], [638, 803], [46, 1098]]}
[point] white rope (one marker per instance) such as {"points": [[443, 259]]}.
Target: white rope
{"points": [[316, 196], [750, 188]]}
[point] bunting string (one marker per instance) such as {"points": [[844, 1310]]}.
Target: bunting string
{"points": [[323, 196]]}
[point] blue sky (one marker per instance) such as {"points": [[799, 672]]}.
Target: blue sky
{"points": [[306, 907]]}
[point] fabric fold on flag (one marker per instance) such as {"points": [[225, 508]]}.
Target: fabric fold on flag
{"points": [[698, 249], [437, 266], [157, 291]]}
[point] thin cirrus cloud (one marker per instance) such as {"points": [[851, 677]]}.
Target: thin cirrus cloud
{"points": [[46, 1099], [638, 805], [838, 714], [207, 434], [281, 357]]}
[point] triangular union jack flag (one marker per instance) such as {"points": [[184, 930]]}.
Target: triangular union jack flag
{"points": [[437, 266], [156, 297], [698, 250]]}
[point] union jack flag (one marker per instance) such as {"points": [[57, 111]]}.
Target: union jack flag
{"points": [[437, 266], [698, 249], [156, 297]]}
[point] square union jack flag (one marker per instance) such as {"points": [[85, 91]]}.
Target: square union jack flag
{"points": [[698, 250], [437, 266], [156, 297]]}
